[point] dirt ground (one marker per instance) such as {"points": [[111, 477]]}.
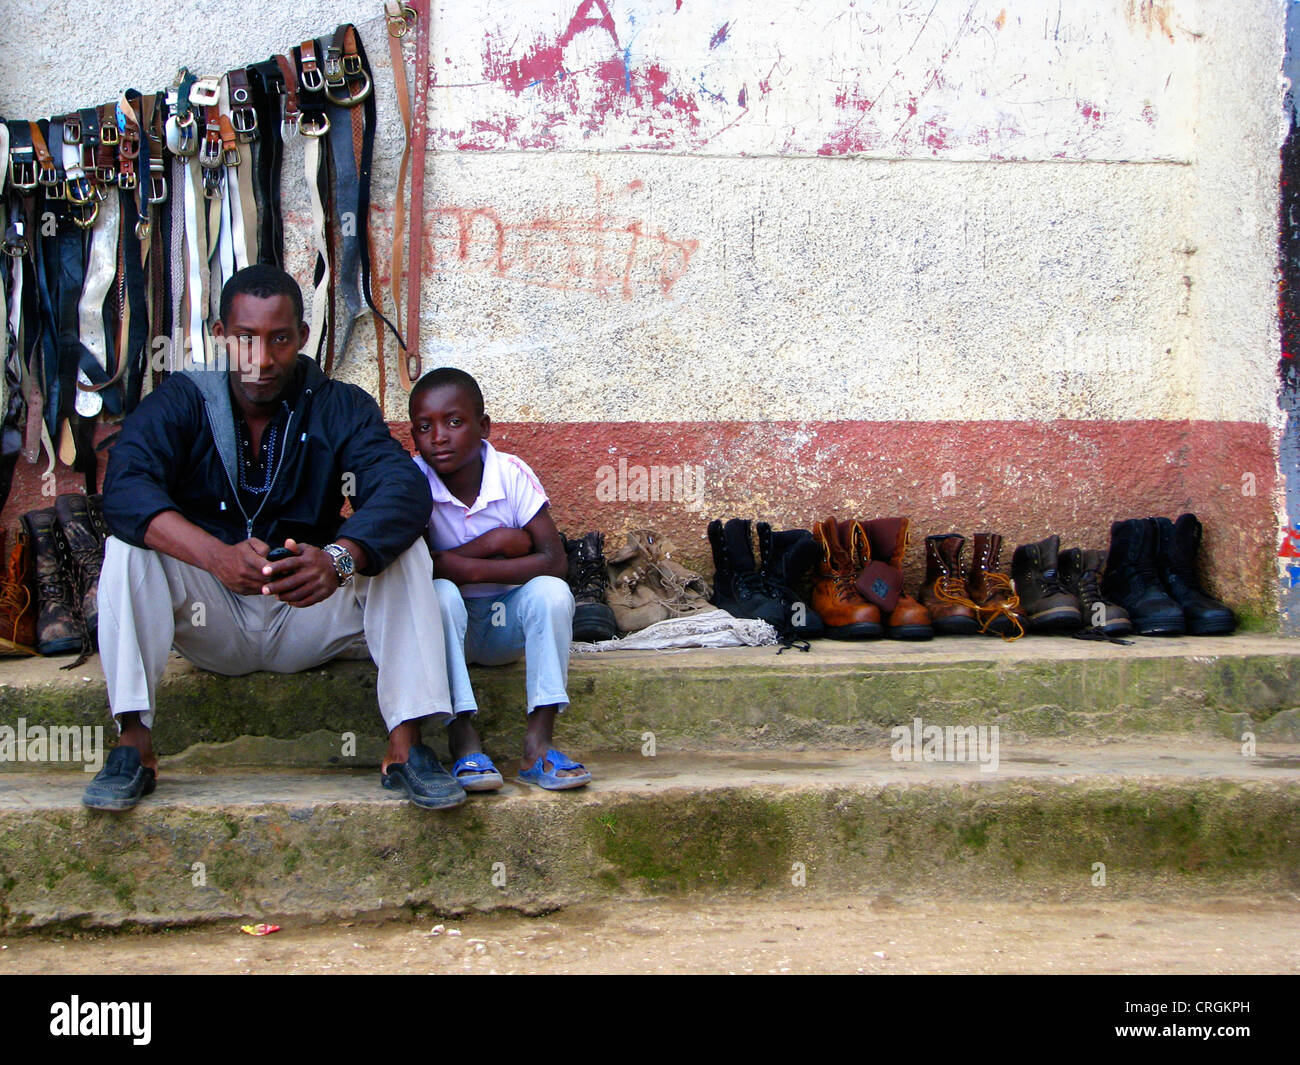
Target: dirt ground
{"points": [[843, 934]]}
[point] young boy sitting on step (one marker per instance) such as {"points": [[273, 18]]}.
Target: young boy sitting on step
{"points": [[499, 570]]}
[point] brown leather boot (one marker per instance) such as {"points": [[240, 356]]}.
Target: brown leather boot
{"points": [[846, 615], [17, 606], [996, 603], [60, 628], [944, 592], [887, 538]]}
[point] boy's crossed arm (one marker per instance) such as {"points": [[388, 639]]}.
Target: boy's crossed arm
{"points": [[506, 556]]}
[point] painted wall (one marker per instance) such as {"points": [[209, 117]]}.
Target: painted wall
{"points": [[993, 264]]}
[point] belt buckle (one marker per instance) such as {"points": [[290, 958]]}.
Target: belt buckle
{"points": [[210, 152], [157, 182], [22, 172], [182, 136], [352, 66], [311, 79], [313, 126], [108, 133], [352, 99], [126, 178], [400, 25], [212, 183], [52, 181], [334, 67], [86, 213], [244, 119], [72, 131], [77, 188], [129, 144], [15, 240], [206, 91]]}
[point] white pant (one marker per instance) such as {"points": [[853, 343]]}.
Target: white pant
{"points": [[150, 602]]}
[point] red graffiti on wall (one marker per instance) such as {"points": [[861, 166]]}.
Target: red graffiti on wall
{"points": [[570, 250]]}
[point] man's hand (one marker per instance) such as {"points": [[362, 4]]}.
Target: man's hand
{"points": [[308, 578], [239, 566]]}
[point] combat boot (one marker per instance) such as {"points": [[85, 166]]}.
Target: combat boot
{"points": [[944, 593], [887, 539], [1131, 580], [60, 627], [738, 587], [647, 585], [17, 610], [1048, 605], [1081, 575], [844, 611], [592, 617], [85, 539], [784, 561], [1177, 545], [996, 604]]}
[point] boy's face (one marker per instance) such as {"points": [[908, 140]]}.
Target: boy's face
{"points": [[447, 429]]}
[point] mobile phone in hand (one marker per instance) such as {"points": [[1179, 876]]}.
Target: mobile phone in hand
{"points": [[277, 553]]}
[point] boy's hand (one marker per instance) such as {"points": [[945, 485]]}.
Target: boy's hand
{"points": [[498, 543], [453, 567], [309, 577]]}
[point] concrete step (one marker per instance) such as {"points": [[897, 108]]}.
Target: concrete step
{"points": [[1176, 817], [839, 696]]}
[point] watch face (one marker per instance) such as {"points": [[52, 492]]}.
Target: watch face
{"points": [[343, 562]]}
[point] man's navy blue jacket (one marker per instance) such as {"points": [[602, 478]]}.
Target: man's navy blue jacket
{"points": [[177, 451]]}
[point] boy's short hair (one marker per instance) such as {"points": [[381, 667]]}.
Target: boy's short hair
{"points": [[262, 281], [448, 376]]}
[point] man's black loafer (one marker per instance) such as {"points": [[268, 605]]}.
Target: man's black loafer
{"points": [[424, 780], [121, 783]]}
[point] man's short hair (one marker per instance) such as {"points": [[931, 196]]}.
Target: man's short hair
{"points": [[444, 377], [262, 281]]}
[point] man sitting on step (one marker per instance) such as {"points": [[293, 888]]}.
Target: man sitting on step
{"points": [[224, 495]]}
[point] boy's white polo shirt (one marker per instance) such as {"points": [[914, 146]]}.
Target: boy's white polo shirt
{"points": [[509, 498]]}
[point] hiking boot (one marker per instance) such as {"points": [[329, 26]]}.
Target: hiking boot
{"points": [[996, 604], [592, 618], [738, 587], [844, 611], [647, 585], [944, 593], [17, 610], [887, 540], [1131, 580], [86, 548], [1177, 545], [1047, 603], [1080, 573], [784, 561], [60, 627]]}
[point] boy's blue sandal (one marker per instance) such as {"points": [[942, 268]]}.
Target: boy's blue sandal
{"points": [[476, 772], [424, 780], [550, 778], [120, 783]]}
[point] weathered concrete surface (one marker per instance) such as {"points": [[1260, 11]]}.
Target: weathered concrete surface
{"points": [[1203, 820], [841, 695]]}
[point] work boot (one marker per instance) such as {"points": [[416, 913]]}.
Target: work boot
{"points": [[1047, 603], [1177, 545], [60, 627], [85, 542], [887, 540], [738, 587], [1080, 573], [996, 604], [647, 585], [784, 561], [17, 610], [1131, 580], [592, 618], [844, 611], [944, 593]]}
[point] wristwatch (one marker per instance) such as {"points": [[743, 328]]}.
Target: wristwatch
{"points": [[344, 565]]}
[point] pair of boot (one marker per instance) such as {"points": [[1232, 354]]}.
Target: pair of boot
{"points": [[67, 543], [1060, 591], [966, 602], [1151, 572], [858, 588], [769, 589]]}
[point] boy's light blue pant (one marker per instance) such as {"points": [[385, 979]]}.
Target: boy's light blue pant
{"points": [[534, 619]]}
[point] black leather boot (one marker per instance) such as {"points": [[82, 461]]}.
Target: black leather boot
{"points": [[1131, 580], [1081, 574], [738, 587], [785, 559], [593, 619], [1178, 543]]}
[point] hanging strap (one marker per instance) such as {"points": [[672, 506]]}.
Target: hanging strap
{"points": [[409, 365]]}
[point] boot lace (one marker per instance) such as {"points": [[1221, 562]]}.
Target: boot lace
{"points": [[1089, 596], [15, 600], [1000, 601]]}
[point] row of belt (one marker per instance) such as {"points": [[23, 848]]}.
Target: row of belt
{"points": [[170, 193]]}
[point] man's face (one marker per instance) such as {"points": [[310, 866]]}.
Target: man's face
{"points": [[264, 338], [447, 429]]}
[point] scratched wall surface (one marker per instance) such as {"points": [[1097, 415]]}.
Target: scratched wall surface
{"points": [[831, 251]]}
